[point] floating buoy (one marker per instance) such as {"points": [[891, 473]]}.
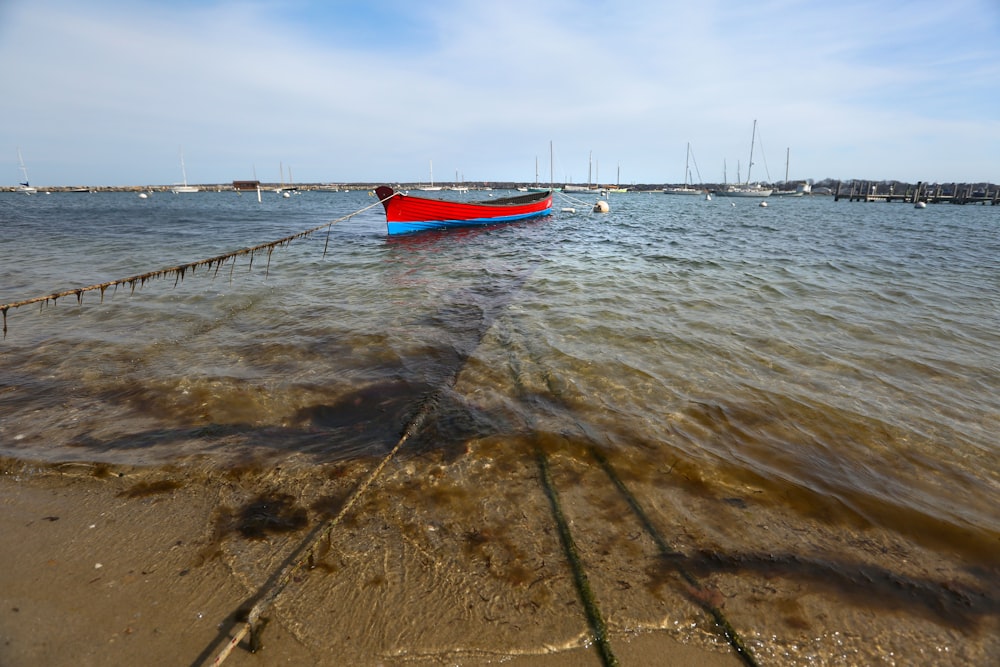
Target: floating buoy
{"points": [[601, 207], [920, 204], [708, 197], [285, 195], [733, 204], [569, 210], [143, 195], [763, 204]]}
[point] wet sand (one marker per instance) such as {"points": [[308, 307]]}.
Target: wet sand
{"points": [[115, 566]]}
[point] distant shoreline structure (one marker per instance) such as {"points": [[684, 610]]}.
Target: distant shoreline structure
{"points": [[853, 190]]}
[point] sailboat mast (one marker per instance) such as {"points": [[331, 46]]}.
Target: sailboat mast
{"points": [[753, 139], [24, 170], [686, 170], [552, 179], [787, 153]]}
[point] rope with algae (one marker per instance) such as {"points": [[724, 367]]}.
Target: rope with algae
{"points": [[179, 271], [591, 608], [587, 597], [696, 592], [727, 629], [303, 556]]}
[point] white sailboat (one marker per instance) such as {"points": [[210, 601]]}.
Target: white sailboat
{"points": [[684, 189], [431, 187], [747, 190], [800, 190], [24, 186], [183, 187]]}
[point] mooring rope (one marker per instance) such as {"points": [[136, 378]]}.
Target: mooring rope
{"points": [[303, 555], [727, 629], [587, 597], [579, 202], [591, 608], [177, 271], [730, 634]]}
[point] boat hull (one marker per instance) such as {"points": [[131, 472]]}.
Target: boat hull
{"points": [[752, 192], [406, 214]]}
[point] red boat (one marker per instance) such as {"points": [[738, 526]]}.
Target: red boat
{"points": [[408, 213]]}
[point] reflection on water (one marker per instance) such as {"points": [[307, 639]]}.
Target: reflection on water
{"points": [[801, 402]]}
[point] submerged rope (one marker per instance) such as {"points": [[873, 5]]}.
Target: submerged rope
{"points": [[303, 555], [722, 623], [587, 597], [591, 609], [728, 631], [177, 271]]}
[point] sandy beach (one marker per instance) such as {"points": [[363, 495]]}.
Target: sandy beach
{"points": [[107, 566]]}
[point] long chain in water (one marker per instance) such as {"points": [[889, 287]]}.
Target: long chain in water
{"points": [[178, 272]]}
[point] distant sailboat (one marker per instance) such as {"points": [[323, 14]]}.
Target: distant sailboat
{"points": [[684, 189], [431, 187], [184, 187], [618, 182], [747, 189], [800, 190], [24, 186]]}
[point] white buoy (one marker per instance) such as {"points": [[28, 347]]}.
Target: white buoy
{"points": [[601, 207], [569, 210], [920, 204], [708, 197], [763, 204], [143, 195], [285, 195]]}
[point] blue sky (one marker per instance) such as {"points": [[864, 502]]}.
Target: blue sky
{"points": [[104, 92]]}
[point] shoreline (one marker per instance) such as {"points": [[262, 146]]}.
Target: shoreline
{"points": [[112, 567]]}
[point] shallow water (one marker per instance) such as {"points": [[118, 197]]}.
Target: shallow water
{"points": [[804, 379]]}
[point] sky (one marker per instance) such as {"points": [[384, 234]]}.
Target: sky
{"points": [[108, 92]]}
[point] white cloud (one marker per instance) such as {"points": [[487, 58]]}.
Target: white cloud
{"points": [[108, 92]]}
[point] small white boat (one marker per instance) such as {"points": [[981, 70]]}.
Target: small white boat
{"points": [[747, 189], [684, 189], [183, 187], [24, 186]]}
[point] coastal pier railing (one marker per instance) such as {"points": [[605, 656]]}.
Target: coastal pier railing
{"points": [[956, 193]]}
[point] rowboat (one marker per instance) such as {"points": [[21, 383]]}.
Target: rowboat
{"points": [[406, 213]]}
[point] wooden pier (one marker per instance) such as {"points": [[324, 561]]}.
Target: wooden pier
{"points": [[957, 193]]}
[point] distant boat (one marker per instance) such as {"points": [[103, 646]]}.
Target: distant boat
{"points": [[570, 187], [618, 183], [800, 190], [590, 187], [684, 189], [755, 190], [431, 187], [183, 187], [24, 186], [747, 189], [538, 187], [405, 213]]}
